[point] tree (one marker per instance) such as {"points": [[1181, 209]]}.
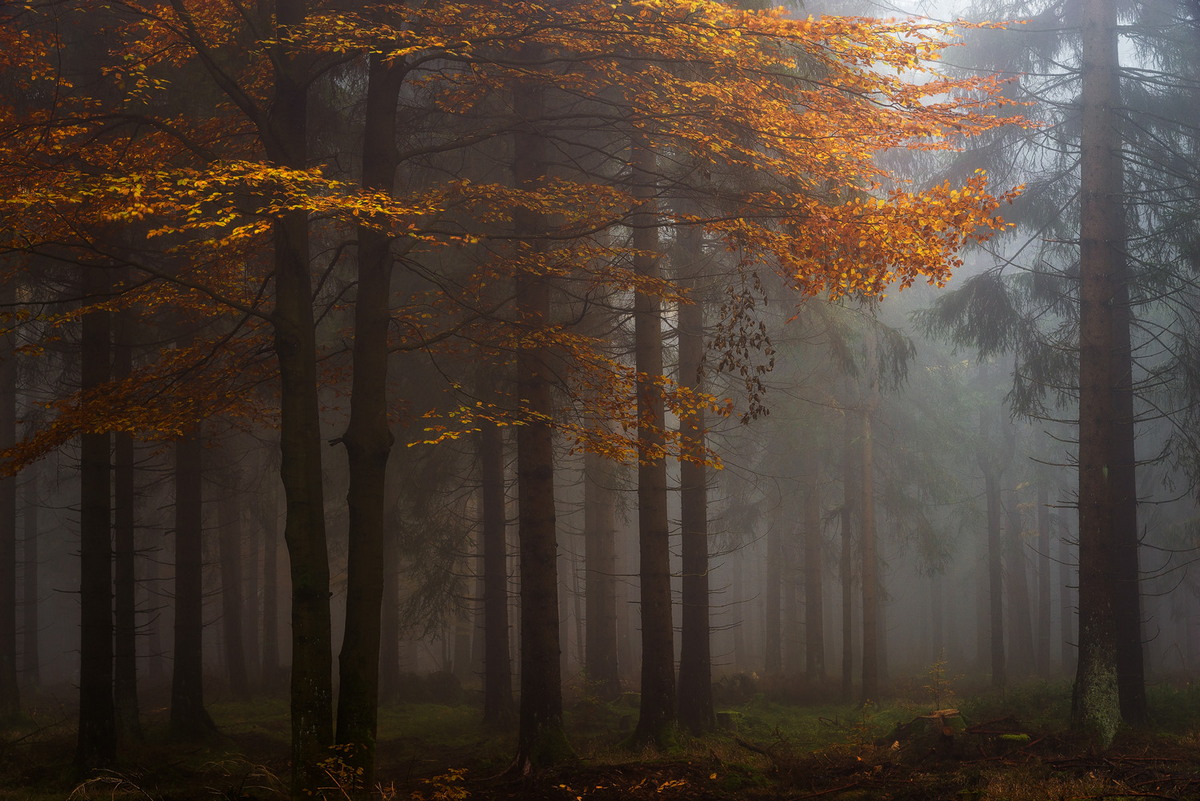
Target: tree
{"points": [[1095, 707], [189, 717], [368, 438], [97, 715], [695, 651], [540, 736], [498, 704], [10, 704]]}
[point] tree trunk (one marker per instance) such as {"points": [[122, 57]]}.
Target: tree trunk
{"points": [[1095, 709], [97, 715], [233, 606], [1069, 640], [814, 573], [272, 668], [498, 705], [1043, 577], [995, 559], [600, 557], [850, 496], [1019, 624], [368, 439], [125, 688], [772, 595], [656, 715], [695, 654], [10, 699], [541, 740], [189, 718], [870, 559], [1131, 675], [252, 633], [300, 427], [31, 662]]}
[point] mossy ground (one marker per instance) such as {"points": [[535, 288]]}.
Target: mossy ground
{"points": [[1009, 746]]}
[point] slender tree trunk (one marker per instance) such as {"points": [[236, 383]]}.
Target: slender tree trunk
{"points": [[772, 640], [695, 654], [656, 715], [1043, 578], [1095, 707], [498, 707], [995, 570], [233, 606], [541, 740], [870, 559], [300, 426], [1069, 640], [252, 633], [850, 496], [10, 699], [599, 534], [189, 718], [272, 668], [1131, 673], [1020, 625], [791, 635], [368, 439], [31, 662], [814, 573], [97, 715], [125, 688]]}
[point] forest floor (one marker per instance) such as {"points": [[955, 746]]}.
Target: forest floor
{"points": [[985, 746]]}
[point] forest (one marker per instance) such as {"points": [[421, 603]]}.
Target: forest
{"points": [[599, 399]]}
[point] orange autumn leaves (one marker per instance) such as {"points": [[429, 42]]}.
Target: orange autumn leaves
{"points": [[769, 126]]}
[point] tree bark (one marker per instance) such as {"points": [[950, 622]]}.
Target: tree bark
{"points": [[10, 698], [1020, 622], [772, 640], [97, 716], [189, 718], [850, 496], [31, 657], [125, 688], [656, 714], [286, 143], [541, 740], [814, 573], [1043, 577], [368, 439], [498, 707], [1095, 709], [870, 559], [995, 558]]}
